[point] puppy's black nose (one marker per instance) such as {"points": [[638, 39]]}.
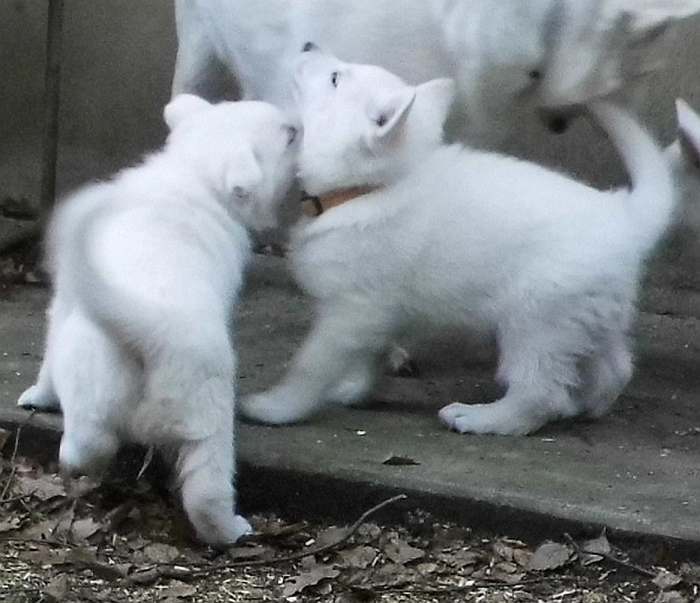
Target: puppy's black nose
{"points": [[308, 47], [558, 124]]}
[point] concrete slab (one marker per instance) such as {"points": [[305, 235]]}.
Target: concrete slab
{"points": [[636, 471]]}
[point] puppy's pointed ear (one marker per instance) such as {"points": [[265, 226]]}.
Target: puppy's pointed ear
{"points": [[689, 133], [389, 117], [434, 100], [181, 107], [242, 176]]}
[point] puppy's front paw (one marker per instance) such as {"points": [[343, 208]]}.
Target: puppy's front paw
{"points": [[482, 419], [270, 408], [36, 398]]}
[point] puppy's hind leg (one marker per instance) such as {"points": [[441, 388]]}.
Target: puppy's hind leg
{"points": [[188, 408], [540, 373], [606, 375]]}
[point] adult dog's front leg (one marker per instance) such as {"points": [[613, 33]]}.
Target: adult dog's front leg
{"points": [[338, 340]]}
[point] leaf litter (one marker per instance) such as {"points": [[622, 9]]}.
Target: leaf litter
{"points": [[126, 542]]}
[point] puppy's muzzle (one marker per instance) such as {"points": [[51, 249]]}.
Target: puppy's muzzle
{"points": [[559, 120]]}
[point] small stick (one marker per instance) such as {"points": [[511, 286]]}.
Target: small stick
{"points": [[165, 569], [609, 557], [13, 458]]}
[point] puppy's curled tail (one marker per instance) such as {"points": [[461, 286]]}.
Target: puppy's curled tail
{"points": [[651, 200]]}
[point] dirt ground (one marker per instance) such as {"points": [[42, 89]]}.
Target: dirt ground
{"points": [[126, 540]]}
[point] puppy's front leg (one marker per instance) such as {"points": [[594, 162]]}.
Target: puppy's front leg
{"points": [[343, 337]]}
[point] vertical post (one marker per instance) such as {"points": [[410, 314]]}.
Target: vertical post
{"points": [[52, 88]]}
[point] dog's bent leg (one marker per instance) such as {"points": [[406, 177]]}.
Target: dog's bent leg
{"points": [[539, 366], [343, 337], [205, 473], [357, 381], [606, 375]]}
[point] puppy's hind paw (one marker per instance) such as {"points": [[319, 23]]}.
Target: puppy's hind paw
{"points": [[271, 408], [35, 398], [241, 527]]}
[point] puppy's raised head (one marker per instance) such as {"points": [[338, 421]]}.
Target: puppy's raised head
{"points": [[362, 124], [245, 151]]}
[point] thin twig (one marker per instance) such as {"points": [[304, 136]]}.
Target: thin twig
{"points": [[609, 557], [13, 458], [176, 570]]}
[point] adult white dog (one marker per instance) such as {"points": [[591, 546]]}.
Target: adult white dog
{"points": [[146, 270], [446, 236], [509, 58]]}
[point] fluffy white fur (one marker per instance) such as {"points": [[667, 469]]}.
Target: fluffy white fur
{"points": [[684, 157], [508, 57], [146, 270], [458, 238]]}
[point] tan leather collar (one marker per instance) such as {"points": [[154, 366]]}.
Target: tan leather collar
{"points": [[315, 206]]}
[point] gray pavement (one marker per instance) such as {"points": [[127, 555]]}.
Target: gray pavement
{"points": [[636, 471]]}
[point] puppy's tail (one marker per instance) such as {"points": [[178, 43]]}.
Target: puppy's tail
{"points": [[652, 198]]}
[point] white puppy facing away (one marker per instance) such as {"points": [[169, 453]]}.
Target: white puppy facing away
{"points": [[448, 236], [509, 58], [146, 269]]}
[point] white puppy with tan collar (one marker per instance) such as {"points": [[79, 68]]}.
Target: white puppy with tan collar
{"points": [[442, 236], [146, 269]]}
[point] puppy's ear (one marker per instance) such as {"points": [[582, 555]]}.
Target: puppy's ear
{"points": [[689, 133], [389, 117], [434, 100], [243, 175], [181, 107]]}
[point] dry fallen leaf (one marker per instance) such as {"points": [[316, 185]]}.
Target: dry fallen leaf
{"points": [[598, 545], [57, 589], [10, 524], [177, 590], [42, 487], [400, 461], [672, 596], [666, 580], [460, 559], [359, 557], [401, 552], [502, 550], [549, 556], [311, 578], [82, 529], [158, 552]]}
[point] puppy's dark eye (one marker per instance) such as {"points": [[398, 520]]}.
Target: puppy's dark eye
{"points": [[291, 135], [335, 76]]}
